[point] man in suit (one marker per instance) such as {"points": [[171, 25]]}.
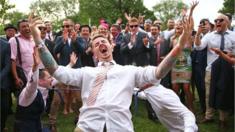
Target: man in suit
{"points": [[87, 56], [135, 46], [117, 40], [50, 44], [5, 80], [67, 43], [50, 35], [136, 50]]}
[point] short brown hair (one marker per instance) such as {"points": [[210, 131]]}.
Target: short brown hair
{"points": [[98, 36], [133, 19]]}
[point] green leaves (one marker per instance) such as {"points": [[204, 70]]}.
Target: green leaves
{"points": [[168, 9]]}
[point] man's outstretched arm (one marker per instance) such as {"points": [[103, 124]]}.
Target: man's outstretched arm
{"points": [[45, 55]]}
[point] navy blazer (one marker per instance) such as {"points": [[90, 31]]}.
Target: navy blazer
{"points": [[64, 49], [139, 54], [117, 56], [5, 72]]}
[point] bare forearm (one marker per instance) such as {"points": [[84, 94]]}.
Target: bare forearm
{"points": [[168, 62], [197, 40], [47, 59], [13, 69], [228, 59]]}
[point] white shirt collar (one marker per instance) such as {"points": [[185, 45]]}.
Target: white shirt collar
{"points": [[101, 62]]}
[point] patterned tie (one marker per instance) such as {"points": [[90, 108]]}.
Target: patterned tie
{"points": [[99, 81]]}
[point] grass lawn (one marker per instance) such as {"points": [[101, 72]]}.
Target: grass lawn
{"points": [[140, 121]]}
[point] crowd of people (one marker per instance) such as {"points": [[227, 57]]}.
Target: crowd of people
{"points": [[97, 68]]}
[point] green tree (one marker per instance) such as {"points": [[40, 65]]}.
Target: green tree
{"points": [[13, 18], [228, 7], [55, 10], [4, 7], [168, 9], [110, 10]]}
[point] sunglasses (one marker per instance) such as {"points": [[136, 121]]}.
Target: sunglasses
{"points": [[219, 20], [65, 26], [131, 26]]}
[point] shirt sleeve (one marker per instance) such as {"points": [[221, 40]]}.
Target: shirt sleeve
{"points": [[204, 42], [13, 45], [146, 75], [69, 76], [165, 100], [29, 93]]}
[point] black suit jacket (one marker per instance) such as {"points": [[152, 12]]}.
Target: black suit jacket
{"points": [[5, 72], [86, 58], [138, 54], [50, 46]]}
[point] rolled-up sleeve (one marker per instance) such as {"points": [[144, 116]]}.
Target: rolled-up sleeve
{"points": [[13, 45], [204, 42]]}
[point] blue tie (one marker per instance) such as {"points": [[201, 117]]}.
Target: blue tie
{"points": [[222, 42]]}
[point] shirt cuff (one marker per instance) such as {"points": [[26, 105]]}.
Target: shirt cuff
{"points": [[130, 45]]}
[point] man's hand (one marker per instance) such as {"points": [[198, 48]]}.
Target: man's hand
{"points": [[19, 83], [34, 23], [145, 40], [186, 33], [65, 35], [216, 50], [74, 35], [73, 59], [133, 38], [36, 59]]}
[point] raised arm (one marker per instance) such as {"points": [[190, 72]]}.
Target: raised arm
{"points": [[45, 55], [167, 63]]}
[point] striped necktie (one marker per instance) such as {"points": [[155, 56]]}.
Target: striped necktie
{"points": [[99, 81]]}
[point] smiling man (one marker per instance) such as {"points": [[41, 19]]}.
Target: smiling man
{"points": [[106, 89], [221, 38]]}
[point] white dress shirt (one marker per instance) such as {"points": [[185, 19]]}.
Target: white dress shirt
{"points": [[113, 100], [170, 111], [29, 93], [213, 40]]}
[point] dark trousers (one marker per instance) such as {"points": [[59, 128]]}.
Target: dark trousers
{"points": [[151, 113], [5, 95], [199, 81]]}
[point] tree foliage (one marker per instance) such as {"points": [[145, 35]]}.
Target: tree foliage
{"points": [[168, 9], [55, 9], [110, 10], [4, 7], [228, 7], [13, 17]]}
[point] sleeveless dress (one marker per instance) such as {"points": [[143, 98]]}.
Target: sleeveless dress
{"points": [[182, 71]]}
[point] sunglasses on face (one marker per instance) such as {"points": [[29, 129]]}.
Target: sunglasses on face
{"points": [[131, 26], [65, 26], [219, 20]]}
